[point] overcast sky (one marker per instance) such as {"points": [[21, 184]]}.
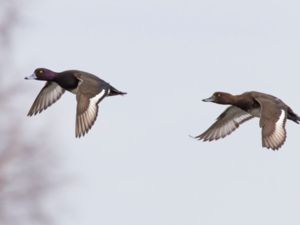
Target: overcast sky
{"points": [[138, 165]]}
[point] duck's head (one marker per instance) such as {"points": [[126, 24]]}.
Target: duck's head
{"points": [[42, 74], [220, 98]]}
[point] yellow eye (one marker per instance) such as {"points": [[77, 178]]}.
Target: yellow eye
{"points": [[41, 71], [219, 95]]}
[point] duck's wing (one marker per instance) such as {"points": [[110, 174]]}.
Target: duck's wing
{"points": [[87, 108], [226, 123], [272, 121], [49, 94]]}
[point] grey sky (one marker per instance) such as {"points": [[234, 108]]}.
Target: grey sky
{"points": [[137, 166]]}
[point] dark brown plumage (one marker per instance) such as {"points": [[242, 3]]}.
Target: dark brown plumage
{"points": [[271, 110]]}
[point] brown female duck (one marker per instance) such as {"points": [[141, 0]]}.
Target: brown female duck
{"points": [[272, 112]]}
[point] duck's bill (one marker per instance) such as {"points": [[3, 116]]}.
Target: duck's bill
{"points": [[210, 99], [31, 77]]}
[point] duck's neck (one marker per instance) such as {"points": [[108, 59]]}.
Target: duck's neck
{"points": [[241, 102], [229, 99], [67, 80], [235, 100]]}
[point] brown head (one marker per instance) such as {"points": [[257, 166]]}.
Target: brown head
{"points": [[220, 98], [42, 74]]}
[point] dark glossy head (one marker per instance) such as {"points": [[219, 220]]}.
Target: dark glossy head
{"points": [[42, 74], [220, 98]]}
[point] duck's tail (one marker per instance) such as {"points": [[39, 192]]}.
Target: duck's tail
{"points": [[113, 91], [293, 116]]}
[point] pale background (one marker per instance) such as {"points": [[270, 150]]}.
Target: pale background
{"points": [[138, 165]]}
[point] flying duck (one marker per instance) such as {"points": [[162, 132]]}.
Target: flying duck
{"points": [[88, 88], [272, 112]]}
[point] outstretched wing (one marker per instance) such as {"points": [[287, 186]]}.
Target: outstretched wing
{"points": [[272, 122], [49, 94], [226, 123], [87, 111]]}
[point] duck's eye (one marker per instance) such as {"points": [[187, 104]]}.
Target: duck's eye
{"points": [[219, 95], [41, 71]]}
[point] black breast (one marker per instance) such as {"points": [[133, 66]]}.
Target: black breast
{"points": [[67, 81]]}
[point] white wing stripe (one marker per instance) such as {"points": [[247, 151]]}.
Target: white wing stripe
{"points": [[87, 119], [278, 136], [95, 99]]}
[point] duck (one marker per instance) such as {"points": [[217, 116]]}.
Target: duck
{"points": [[88, 88], [271, 111]]}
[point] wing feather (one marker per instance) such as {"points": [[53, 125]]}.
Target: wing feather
{"points": [[49, 94], [226, 123]]}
